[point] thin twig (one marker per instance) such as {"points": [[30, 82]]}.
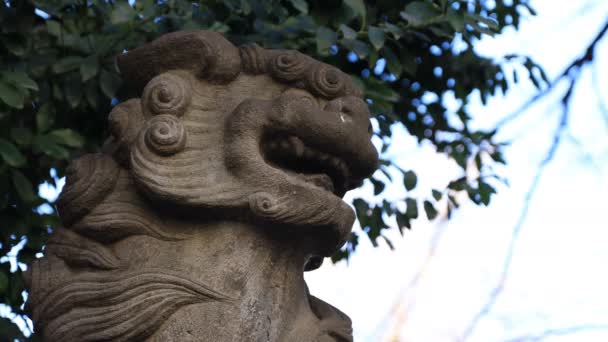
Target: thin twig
{"points": [[585, 156], [600, 101], [410, 286], [576, 64], [489, 304], [559, 332]]}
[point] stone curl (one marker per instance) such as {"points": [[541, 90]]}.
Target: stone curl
{"points": [[327, 81], [253, 59], [265, 205], [165, 135], [90, 179], [125, 121], [289, 66], [167, 94]]}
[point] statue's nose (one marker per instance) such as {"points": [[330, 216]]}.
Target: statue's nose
{"points": [[352, 109], [354, 134]]}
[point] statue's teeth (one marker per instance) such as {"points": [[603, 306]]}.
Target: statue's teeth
{"points": [[308, 153], [344, 170], [272, 145], [284, 144], [297, 146]]}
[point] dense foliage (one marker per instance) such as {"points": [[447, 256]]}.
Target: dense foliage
{"points": [[58, 82]]}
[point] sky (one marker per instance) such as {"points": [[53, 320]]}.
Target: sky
{"points": [[441, 274]]}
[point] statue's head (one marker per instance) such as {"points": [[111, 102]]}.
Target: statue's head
{"points": [[272, 136]]}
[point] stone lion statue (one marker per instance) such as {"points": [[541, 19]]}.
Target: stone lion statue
{"points": [[219, 186]]}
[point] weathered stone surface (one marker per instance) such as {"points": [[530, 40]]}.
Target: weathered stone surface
{"points": [[219, 186]]}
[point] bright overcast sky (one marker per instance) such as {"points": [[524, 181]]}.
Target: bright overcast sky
{"points": [[557, 279]]}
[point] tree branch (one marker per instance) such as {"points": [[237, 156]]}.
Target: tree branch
{"points": [[576, 64], [489, 304], [571, 72]]}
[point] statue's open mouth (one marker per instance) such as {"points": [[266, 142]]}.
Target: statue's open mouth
{"points": [[308, 164]]}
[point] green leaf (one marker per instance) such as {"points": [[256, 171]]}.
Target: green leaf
{"points": [[73, 91], [392, 62], [388, 209], [300, 5], [53, 27], [20, 79], [388, 242], [456, 20], [409, 180], [325, 39], [11, 95], [418, 13], [92, 94], [3, 282], [474, 21], [458, 184], [442, 31], [89, 68], [122, 13], [48, 146], [67, 137], [403, 220], [376, 37], [395, 30], [45, 118], [430, 210], [360, 48], [23, 186], [14, 43], [497, 157], [358, 7], [474, 18], [411, 208], [530, 9], [380, 91], [437, 195], [21, 135], [408, 61], [67, 64], [485, 192], [16, 288], [378, 186], [10, 154], [109, 83], [348, 32], [9, 331]]}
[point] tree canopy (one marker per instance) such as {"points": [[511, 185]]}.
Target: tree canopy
{"points": [[59, 81]]}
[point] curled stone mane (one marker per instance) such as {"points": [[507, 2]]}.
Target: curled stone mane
{"points": [[221, 182], [209, 56]]}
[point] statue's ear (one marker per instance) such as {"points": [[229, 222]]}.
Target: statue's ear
{"points": [[125, 121]]}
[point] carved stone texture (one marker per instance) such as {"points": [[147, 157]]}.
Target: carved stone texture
{"points": [[219, 186]]}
